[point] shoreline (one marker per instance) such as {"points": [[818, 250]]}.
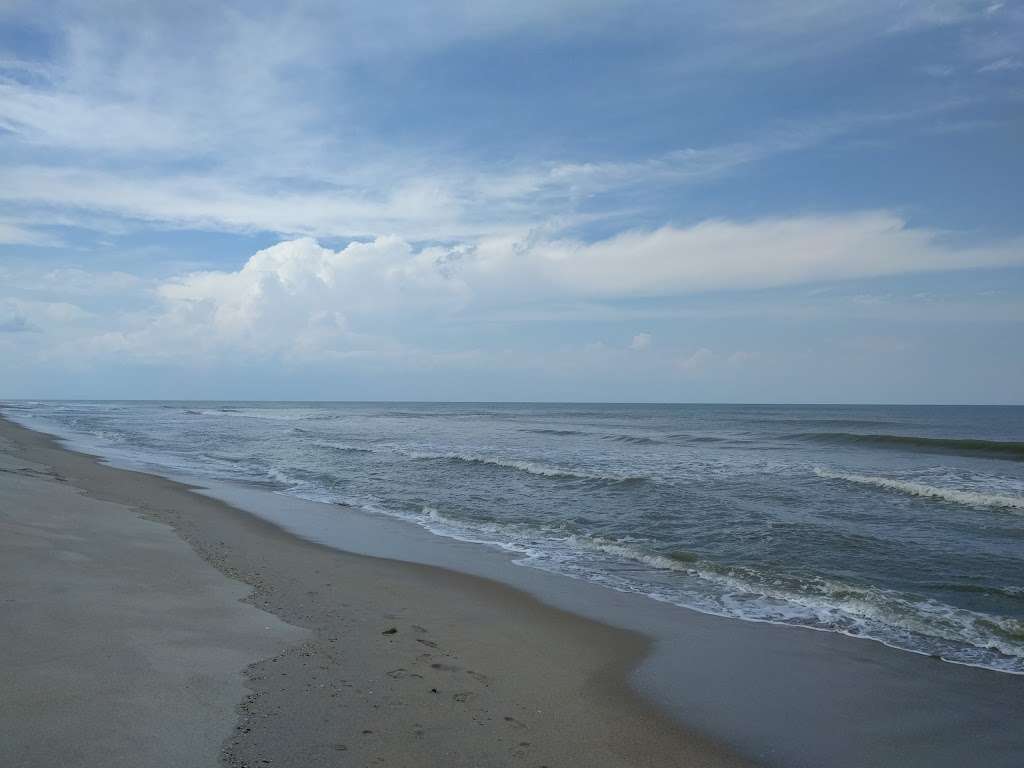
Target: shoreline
{"points": [[478, 673], [721, 689]]}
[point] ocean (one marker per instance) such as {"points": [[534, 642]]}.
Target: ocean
{"points": [[899, 524]]}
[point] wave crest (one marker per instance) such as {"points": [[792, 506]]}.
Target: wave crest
{"points": [[969, 498], [343, 447], [531, 467], [920, 625]]}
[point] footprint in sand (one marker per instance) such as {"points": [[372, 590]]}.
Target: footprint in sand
{"points": [[399, 673], [520, 750]]}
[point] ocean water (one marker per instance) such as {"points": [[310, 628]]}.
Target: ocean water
{"points": [[903, 525]]}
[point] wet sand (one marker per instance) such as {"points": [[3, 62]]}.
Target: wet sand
{"points": [[124, 648]]}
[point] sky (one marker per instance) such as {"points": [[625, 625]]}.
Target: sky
{"points": [[731, 201]]}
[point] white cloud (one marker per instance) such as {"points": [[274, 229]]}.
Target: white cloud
{"points": [[696, 362], [69, 281], [298, 298], [937, 70], [1005, 64], [70, 121], [424, 203], [763, 253], [42, 314], [260, 108], [641, 341], [17, 234], [208, 202], [453, 202]]}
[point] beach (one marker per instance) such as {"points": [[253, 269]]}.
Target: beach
{"points": [[125, 648], [175, 618]]}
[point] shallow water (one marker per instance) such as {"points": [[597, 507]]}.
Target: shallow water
{"points": [[900, 524]]}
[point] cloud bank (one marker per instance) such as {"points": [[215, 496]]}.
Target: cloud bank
{"points": [[299, 298]]}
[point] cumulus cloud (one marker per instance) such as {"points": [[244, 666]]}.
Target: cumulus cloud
{"points": [[299, 297]]}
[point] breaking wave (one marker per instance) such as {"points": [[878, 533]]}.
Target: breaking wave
{"points": [[531, 467], [924, 626], [344, 447], [970, 498]]}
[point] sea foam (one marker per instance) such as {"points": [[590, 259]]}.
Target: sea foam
{"points": [[531, 467], [970, 498]]}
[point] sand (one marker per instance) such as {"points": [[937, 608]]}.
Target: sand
{"points": [[126, 644], [120, 645]]}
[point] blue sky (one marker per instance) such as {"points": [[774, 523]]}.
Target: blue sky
{"points": [[735, 201]]}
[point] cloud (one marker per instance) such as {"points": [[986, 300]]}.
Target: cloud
{"points": [[696, 362], [296, 299], [70, 281], [641, 341], [74, 122], [299, 298], [937, 70], [17, 234], [19, 315], [771, 252], [228, 118], [1005, 64], [425, 203]]}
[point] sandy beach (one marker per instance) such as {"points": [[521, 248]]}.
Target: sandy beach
{"points": [[240, 643]]}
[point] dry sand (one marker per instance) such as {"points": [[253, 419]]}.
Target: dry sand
{"points": [[124, 648]]}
